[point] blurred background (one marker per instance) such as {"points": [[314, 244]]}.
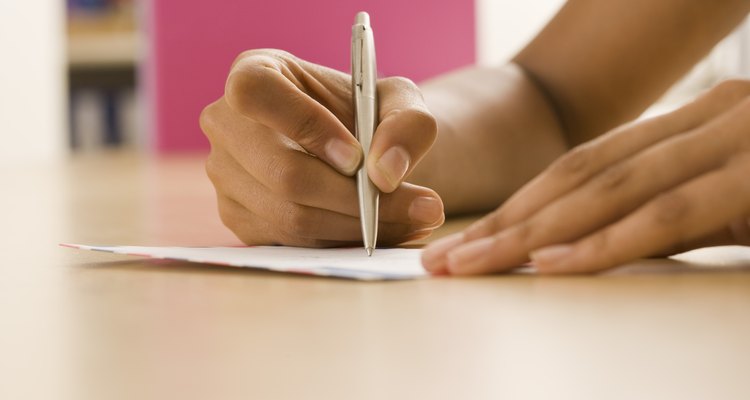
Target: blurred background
{"points": [[93, 75]]}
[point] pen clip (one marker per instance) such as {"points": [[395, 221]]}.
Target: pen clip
{"points": [[358, 56], [364, 75]]}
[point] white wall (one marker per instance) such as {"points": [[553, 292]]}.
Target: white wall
{"points": [[505, 26], [32, 80]]}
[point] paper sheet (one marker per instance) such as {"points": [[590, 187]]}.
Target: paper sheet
{"points": [[351, 263]]}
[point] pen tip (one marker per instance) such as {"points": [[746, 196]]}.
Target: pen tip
{"points": [[369, 251]]}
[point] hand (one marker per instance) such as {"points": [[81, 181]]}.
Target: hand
{"points": [[657, 187], [282, 155]]}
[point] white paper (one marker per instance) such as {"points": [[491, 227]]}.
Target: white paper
{"points": [[352, 263]]}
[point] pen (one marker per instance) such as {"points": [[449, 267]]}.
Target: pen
{"points": [[365, 98]]}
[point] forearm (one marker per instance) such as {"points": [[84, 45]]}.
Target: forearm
{"points": [[602, 63], [496, 130], [498, 127]]}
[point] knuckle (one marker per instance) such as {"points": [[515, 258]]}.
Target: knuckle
{"points": [[243, 56], [228, 215], [238, 85], [264, 54], [244, 84], [400, 82], [272, 53], [575, 162], [228, 219], [599, 248], [288, 177], [671, 209], [425, 123], [614, 177], [298, 220], [485, 226], [419, 121], [213, 170], [523, 234], [308, 130], [207, 120], [218, 172]]}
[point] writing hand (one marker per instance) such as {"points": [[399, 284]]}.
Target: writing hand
{"points": [[282, 155]]}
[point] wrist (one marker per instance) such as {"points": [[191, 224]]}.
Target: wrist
{"points": [[496, 130]]}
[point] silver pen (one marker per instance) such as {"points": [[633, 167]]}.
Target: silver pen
{"points": [[365, 97]]}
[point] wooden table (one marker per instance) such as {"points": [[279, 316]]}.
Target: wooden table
{"points": [[84, 325]]}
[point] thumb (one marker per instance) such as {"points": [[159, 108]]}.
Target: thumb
{"points": [[406, 132]]}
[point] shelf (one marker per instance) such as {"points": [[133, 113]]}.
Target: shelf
{"points": [[103, 41], [111, 50]]}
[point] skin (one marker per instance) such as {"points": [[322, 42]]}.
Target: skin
{"points": [[659, 187], [642, 189], [283, 153]]}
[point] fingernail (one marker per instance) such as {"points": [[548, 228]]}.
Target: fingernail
{"points": [[470, 256], [433, 256], [393, 164], [344, 156], [551, 256], [425, 210]]}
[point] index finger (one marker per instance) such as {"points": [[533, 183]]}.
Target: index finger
{"points": [[257, 89], [578, 167], [584, 162]]}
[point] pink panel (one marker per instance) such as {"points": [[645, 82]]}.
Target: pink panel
{"points": [[195, 41]]}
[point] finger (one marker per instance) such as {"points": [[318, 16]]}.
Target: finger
{"points": [[723, 237], [572, 171], [586, 161], [618, 190], [255, 231], [257, 89], [421, 206], [737, 232], [412, 205], [694, 210], [300, 178], [279, 222], [293, 220], [433, 257], [405, 133], [274, 162]]}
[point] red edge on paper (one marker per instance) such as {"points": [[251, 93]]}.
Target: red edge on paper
{"points": [[302, 271], [139, 255]]}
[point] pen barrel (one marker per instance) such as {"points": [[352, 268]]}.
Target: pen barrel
{"points": [[366, 121], [368, 208], [364, 94]]}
